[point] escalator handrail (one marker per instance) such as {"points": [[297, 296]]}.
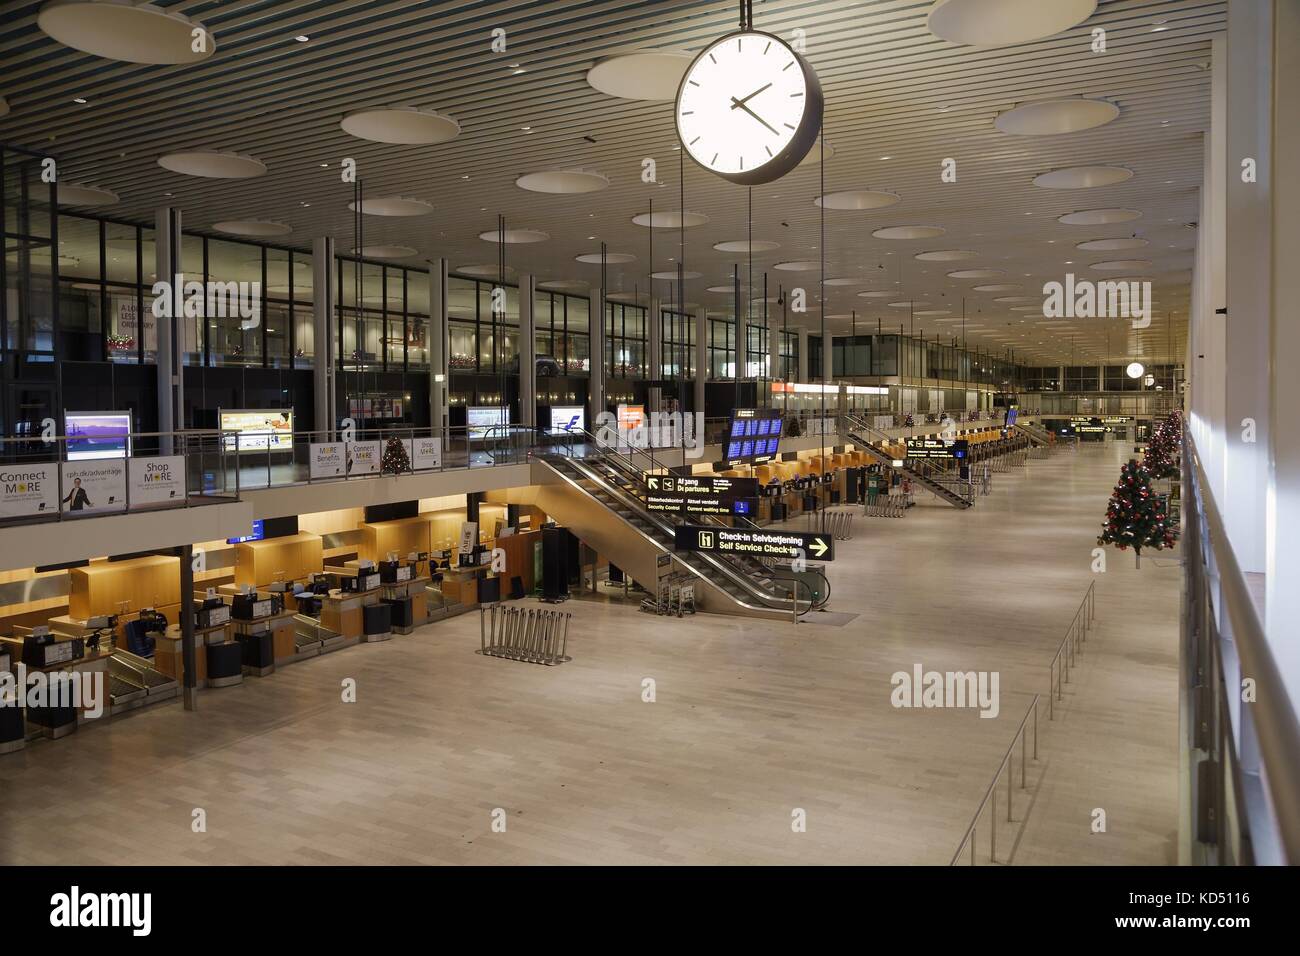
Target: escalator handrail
{"points": [[747, 565], [742, 581]]}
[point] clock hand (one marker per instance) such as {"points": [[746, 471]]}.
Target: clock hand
{"points": [[735, 102]]}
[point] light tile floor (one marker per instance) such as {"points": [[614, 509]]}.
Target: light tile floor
{"points": [[751, 721]]}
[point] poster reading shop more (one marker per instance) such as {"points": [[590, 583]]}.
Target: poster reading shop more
{"points": [[328, 460], [363, 458], [93, 487], [426, 453], [157, 481], [27, 490]]}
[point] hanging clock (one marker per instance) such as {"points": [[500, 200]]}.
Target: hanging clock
{"points": [[749, 108]]}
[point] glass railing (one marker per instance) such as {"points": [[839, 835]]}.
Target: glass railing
{"points": [[58, 477]]}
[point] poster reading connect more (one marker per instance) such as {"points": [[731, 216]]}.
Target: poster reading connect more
{"points": [[27, 490], [364, 457]]}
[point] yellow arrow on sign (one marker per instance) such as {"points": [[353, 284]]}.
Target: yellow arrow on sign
{"points": [[819, 547]]}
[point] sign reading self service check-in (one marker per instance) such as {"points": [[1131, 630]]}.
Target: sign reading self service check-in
{"points": [[756, 544]]}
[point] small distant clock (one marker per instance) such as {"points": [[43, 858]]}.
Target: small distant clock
{"points": [[749, 108]]}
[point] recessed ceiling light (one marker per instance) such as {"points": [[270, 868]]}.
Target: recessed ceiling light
{"points": [[526, 129], [400, 126], [324, 165], [212, 164], [302, 38], [129, 32], [883, 158], [80, 100], [1055, 117]]}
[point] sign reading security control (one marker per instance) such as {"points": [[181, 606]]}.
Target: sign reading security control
{"points": [[756, 544]]}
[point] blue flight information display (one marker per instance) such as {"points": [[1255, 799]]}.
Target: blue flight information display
{"points": [[754, 435]]}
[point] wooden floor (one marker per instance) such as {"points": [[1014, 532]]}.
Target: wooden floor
{"points": [[751, 721]]}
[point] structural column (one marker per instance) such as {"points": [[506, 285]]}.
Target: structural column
{"points": [[701, 358], [803, 354], [1249, 223], [828, 358], [655, 341], [1282, 600], [324, 289], [439, 347], [169, 329], [596, 385], [527, 351]]}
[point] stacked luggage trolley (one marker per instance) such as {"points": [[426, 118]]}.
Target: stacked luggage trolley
{"points": [[533, 635], [674, 598]]}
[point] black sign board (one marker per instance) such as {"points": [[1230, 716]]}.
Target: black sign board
{"points": [[756, 543], [932, 448], [702, 484], [699, 503]]}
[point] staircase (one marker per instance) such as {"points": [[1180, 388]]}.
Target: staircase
{"points": [[867, 436], [601, 499]]}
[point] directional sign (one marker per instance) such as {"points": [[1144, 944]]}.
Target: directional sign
{"points": [[937, 448], [702, 484], [702, 503], [755, 543]]}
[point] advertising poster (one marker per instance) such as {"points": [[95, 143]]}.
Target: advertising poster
{"points": [[487, 422], [468, 536], [364, 457], [26, 490], [94, 435], [567, 418], [157, 480], [258, 430], [328, 460], [426, 454], [93, 487]]}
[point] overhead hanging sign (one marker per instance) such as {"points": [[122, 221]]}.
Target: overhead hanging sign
{"points": [[93, 487], [755, 543], [157, 480], [702, 484], [30, 489], [940, 448], [699, 503]]}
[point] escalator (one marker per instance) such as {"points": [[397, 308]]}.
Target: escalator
{"points": [[1036, 433], [599, 497], [867, 436]]}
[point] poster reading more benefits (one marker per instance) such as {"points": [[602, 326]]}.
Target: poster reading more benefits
{"points": [[93, 487], [328, 459]]}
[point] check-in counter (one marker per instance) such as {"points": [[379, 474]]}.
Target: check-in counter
{"points": [[460, 585], [342, 611], [169, 652]]}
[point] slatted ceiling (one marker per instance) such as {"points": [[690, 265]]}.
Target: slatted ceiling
{"points": [[885, 75]]}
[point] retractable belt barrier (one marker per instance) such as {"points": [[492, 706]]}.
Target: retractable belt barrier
{"points": [[535, 635]]}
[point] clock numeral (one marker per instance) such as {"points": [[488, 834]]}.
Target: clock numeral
{"points": [[714, 160], [769, 151], [788, 126], [688, 112], [793, 95], [786, 67], [694, 141], [768, 47]]}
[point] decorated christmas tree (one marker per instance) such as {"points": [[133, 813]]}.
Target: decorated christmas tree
{"points": [[395, 460], [1135, 517], [1162, 451]]}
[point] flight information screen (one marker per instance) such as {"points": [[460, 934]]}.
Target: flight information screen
{"points": [[754, 435]]}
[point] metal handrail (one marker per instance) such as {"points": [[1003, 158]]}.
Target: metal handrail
{"points": [[1269, 727], [1058, 672], [719, 562], [990, 795]]}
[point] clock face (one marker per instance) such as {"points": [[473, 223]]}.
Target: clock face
{"points": [[749, 108]]}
